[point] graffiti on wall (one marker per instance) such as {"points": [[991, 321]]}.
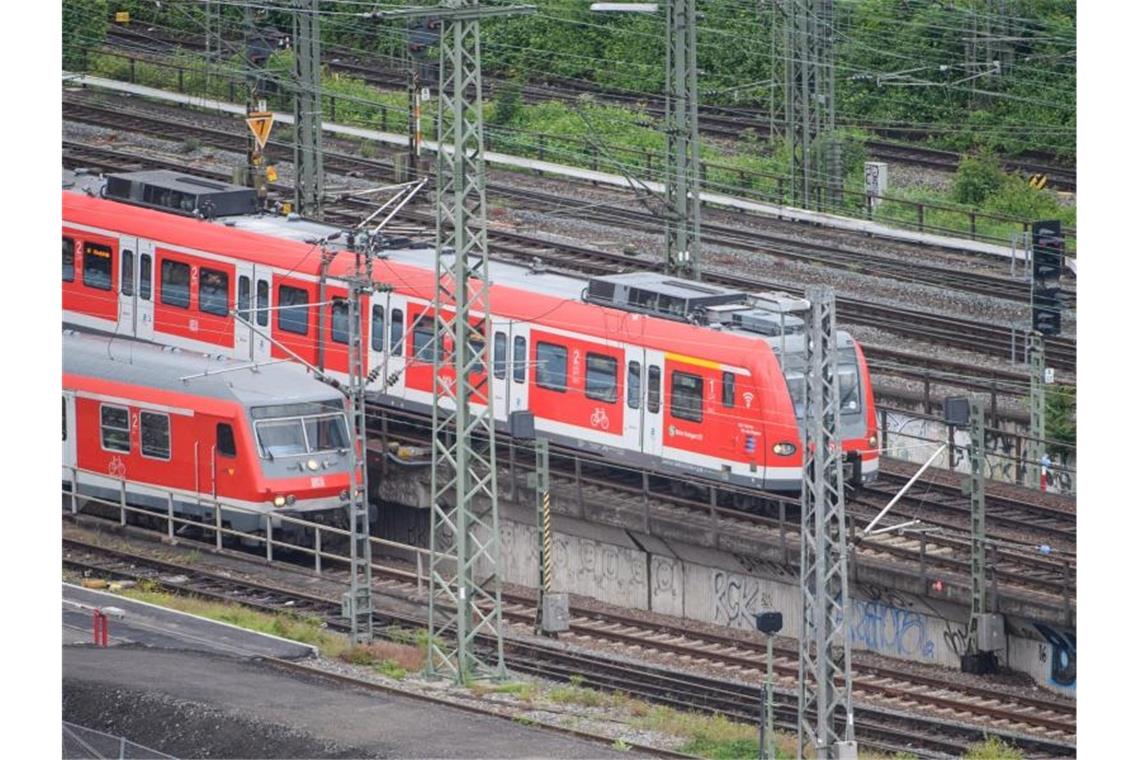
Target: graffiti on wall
{"points": [[1063, 659], [907, 438], [737, 599]]}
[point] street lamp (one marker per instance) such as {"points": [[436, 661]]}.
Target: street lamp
{"points": [[769, 623]]}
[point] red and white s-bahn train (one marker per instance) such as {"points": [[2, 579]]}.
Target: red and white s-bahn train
{"points": [[673, 375], [169, 425]]}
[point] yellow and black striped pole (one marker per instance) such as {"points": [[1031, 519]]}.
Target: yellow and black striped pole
{"points": [[545, 529]]}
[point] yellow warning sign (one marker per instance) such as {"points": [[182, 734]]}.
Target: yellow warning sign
{"points": [[1037, 181], [271, 174], [122, 17], [260, 123]]}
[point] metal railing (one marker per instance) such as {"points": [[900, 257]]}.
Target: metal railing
{"points": [[82, 743], [282, 537]]}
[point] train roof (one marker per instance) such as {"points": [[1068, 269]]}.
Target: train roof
{"points": [[132, 362]]}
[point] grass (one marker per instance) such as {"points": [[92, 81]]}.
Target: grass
{"points": [[993, 749], [306, 630]]}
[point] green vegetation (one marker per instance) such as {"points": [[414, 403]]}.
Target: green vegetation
{"points": [[993, 749], [1061, 415], [84, 29]]}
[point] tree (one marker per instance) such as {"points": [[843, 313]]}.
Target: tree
{"points": [[84, 30], [1061, 415]]}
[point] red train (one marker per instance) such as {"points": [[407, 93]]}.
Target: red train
{"points": [[174, 426], [670, 374]]}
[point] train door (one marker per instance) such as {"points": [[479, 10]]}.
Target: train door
{"points": [[634, 432], [251, 330], [398, 343], [653, 418], [68, 432], [144, 290], [128, 284], [521, 369]]}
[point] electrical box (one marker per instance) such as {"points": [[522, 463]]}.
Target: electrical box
{"points": [[991, 632], [555, 612], [956, 410], [875, 181], [847, 751], [522, 425]]}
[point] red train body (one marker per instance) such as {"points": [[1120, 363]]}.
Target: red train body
{"points": [[624, 380], [174, 428]]}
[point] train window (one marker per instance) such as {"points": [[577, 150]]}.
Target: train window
{"points": [[550, 366], [214, 292], [175, 290], [848, 389], [293, 314], [797, 389], [653, 396], [127, 280], [687, 395], [396, 333], [115, 426], [263, 302], [601, 377], [144, 276], [377, 328], [97, 266], [226, 446], [326, 433], [518, 371], [64, 398], [68, 260], [155, 430], [424, 346], [728, 389], [500, 358], [243, 297], [340, 320], [633, 386], [478, 348]]}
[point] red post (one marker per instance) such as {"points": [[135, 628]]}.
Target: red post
{"points": [[99, 630]]}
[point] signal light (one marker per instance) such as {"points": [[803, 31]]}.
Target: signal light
{"points": [[1047, 311]]}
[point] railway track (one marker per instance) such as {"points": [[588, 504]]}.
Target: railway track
{"points": [[716, 120], [893, 707]]}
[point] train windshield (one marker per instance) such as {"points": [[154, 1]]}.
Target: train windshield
{"points": [[850, 400], [299, 433]]}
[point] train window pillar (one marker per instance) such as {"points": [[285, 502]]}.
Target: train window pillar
{"points": [[226, 446], [653, 397], [127, 278], [68, 260], [144, 276], [518, 371]]}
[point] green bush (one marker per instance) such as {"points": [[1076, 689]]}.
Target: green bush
{"points": [[84, 30], [977, 178]]}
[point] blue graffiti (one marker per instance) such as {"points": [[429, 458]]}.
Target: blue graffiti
{"points": [[890, 630], [1063, 670]]}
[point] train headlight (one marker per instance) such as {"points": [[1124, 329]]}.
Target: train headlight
{"points": [[278, 501], [873, 441], [313, 464], [784, 449], [290, 499], [344, 495]]}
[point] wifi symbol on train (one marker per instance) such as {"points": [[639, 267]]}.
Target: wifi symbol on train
{"points": [[748, 398]]}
